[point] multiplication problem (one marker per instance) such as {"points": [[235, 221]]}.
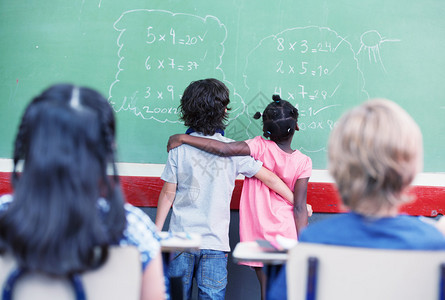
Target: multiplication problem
{"points": [[169, 63], [160, 93], [172, 37], [304, 46], [301, 93], [301, 69], [314, 125]]}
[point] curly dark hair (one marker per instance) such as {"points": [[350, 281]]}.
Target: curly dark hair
{"points": [[204, 104], [279, 119]]}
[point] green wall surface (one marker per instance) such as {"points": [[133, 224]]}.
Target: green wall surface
{"points": [[323, 56]]}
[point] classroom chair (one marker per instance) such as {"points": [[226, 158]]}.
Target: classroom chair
{"points": [[319, 272], [119, 278]]}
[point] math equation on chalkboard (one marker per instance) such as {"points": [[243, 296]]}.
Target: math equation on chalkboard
{"points": [[315, 68], [159, 54]]}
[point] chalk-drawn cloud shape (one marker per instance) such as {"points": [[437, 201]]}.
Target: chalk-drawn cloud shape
{"points": [[159, 54], [313, 67]]}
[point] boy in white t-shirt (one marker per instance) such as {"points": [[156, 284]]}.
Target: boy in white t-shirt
{"points": [[199, 186]]}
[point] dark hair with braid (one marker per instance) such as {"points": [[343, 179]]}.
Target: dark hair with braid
{"points": [[203, 106], [279, 119], [66, 143]]}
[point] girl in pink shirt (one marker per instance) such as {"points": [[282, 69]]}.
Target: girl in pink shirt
{"points": [[263, 213]]}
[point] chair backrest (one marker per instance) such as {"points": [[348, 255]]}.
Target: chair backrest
{"points": [[119, 278], [322, 272]]}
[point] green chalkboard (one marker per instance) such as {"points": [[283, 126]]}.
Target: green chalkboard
{"points": [[324, 56]]}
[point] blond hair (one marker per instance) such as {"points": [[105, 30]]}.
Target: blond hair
{"points": [[375, 151]]}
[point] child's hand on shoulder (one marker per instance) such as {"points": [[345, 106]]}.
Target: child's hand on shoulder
{"points": [[309, 210], [174, 141]]}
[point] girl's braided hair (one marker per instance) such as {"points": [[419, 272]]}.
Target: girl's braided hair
{"points": [[279, 119]]}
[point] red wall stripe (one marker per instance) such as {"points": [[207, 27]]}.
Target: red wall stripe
{"points": [[144, 191], [5, 186]]}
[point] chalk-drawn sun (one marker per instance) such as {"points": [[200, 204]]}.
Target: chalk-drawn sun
{"points": [[371, 41]]}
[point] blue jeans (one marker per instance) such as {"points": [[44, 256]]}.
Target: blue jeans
{"points": [[209, 267]]}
